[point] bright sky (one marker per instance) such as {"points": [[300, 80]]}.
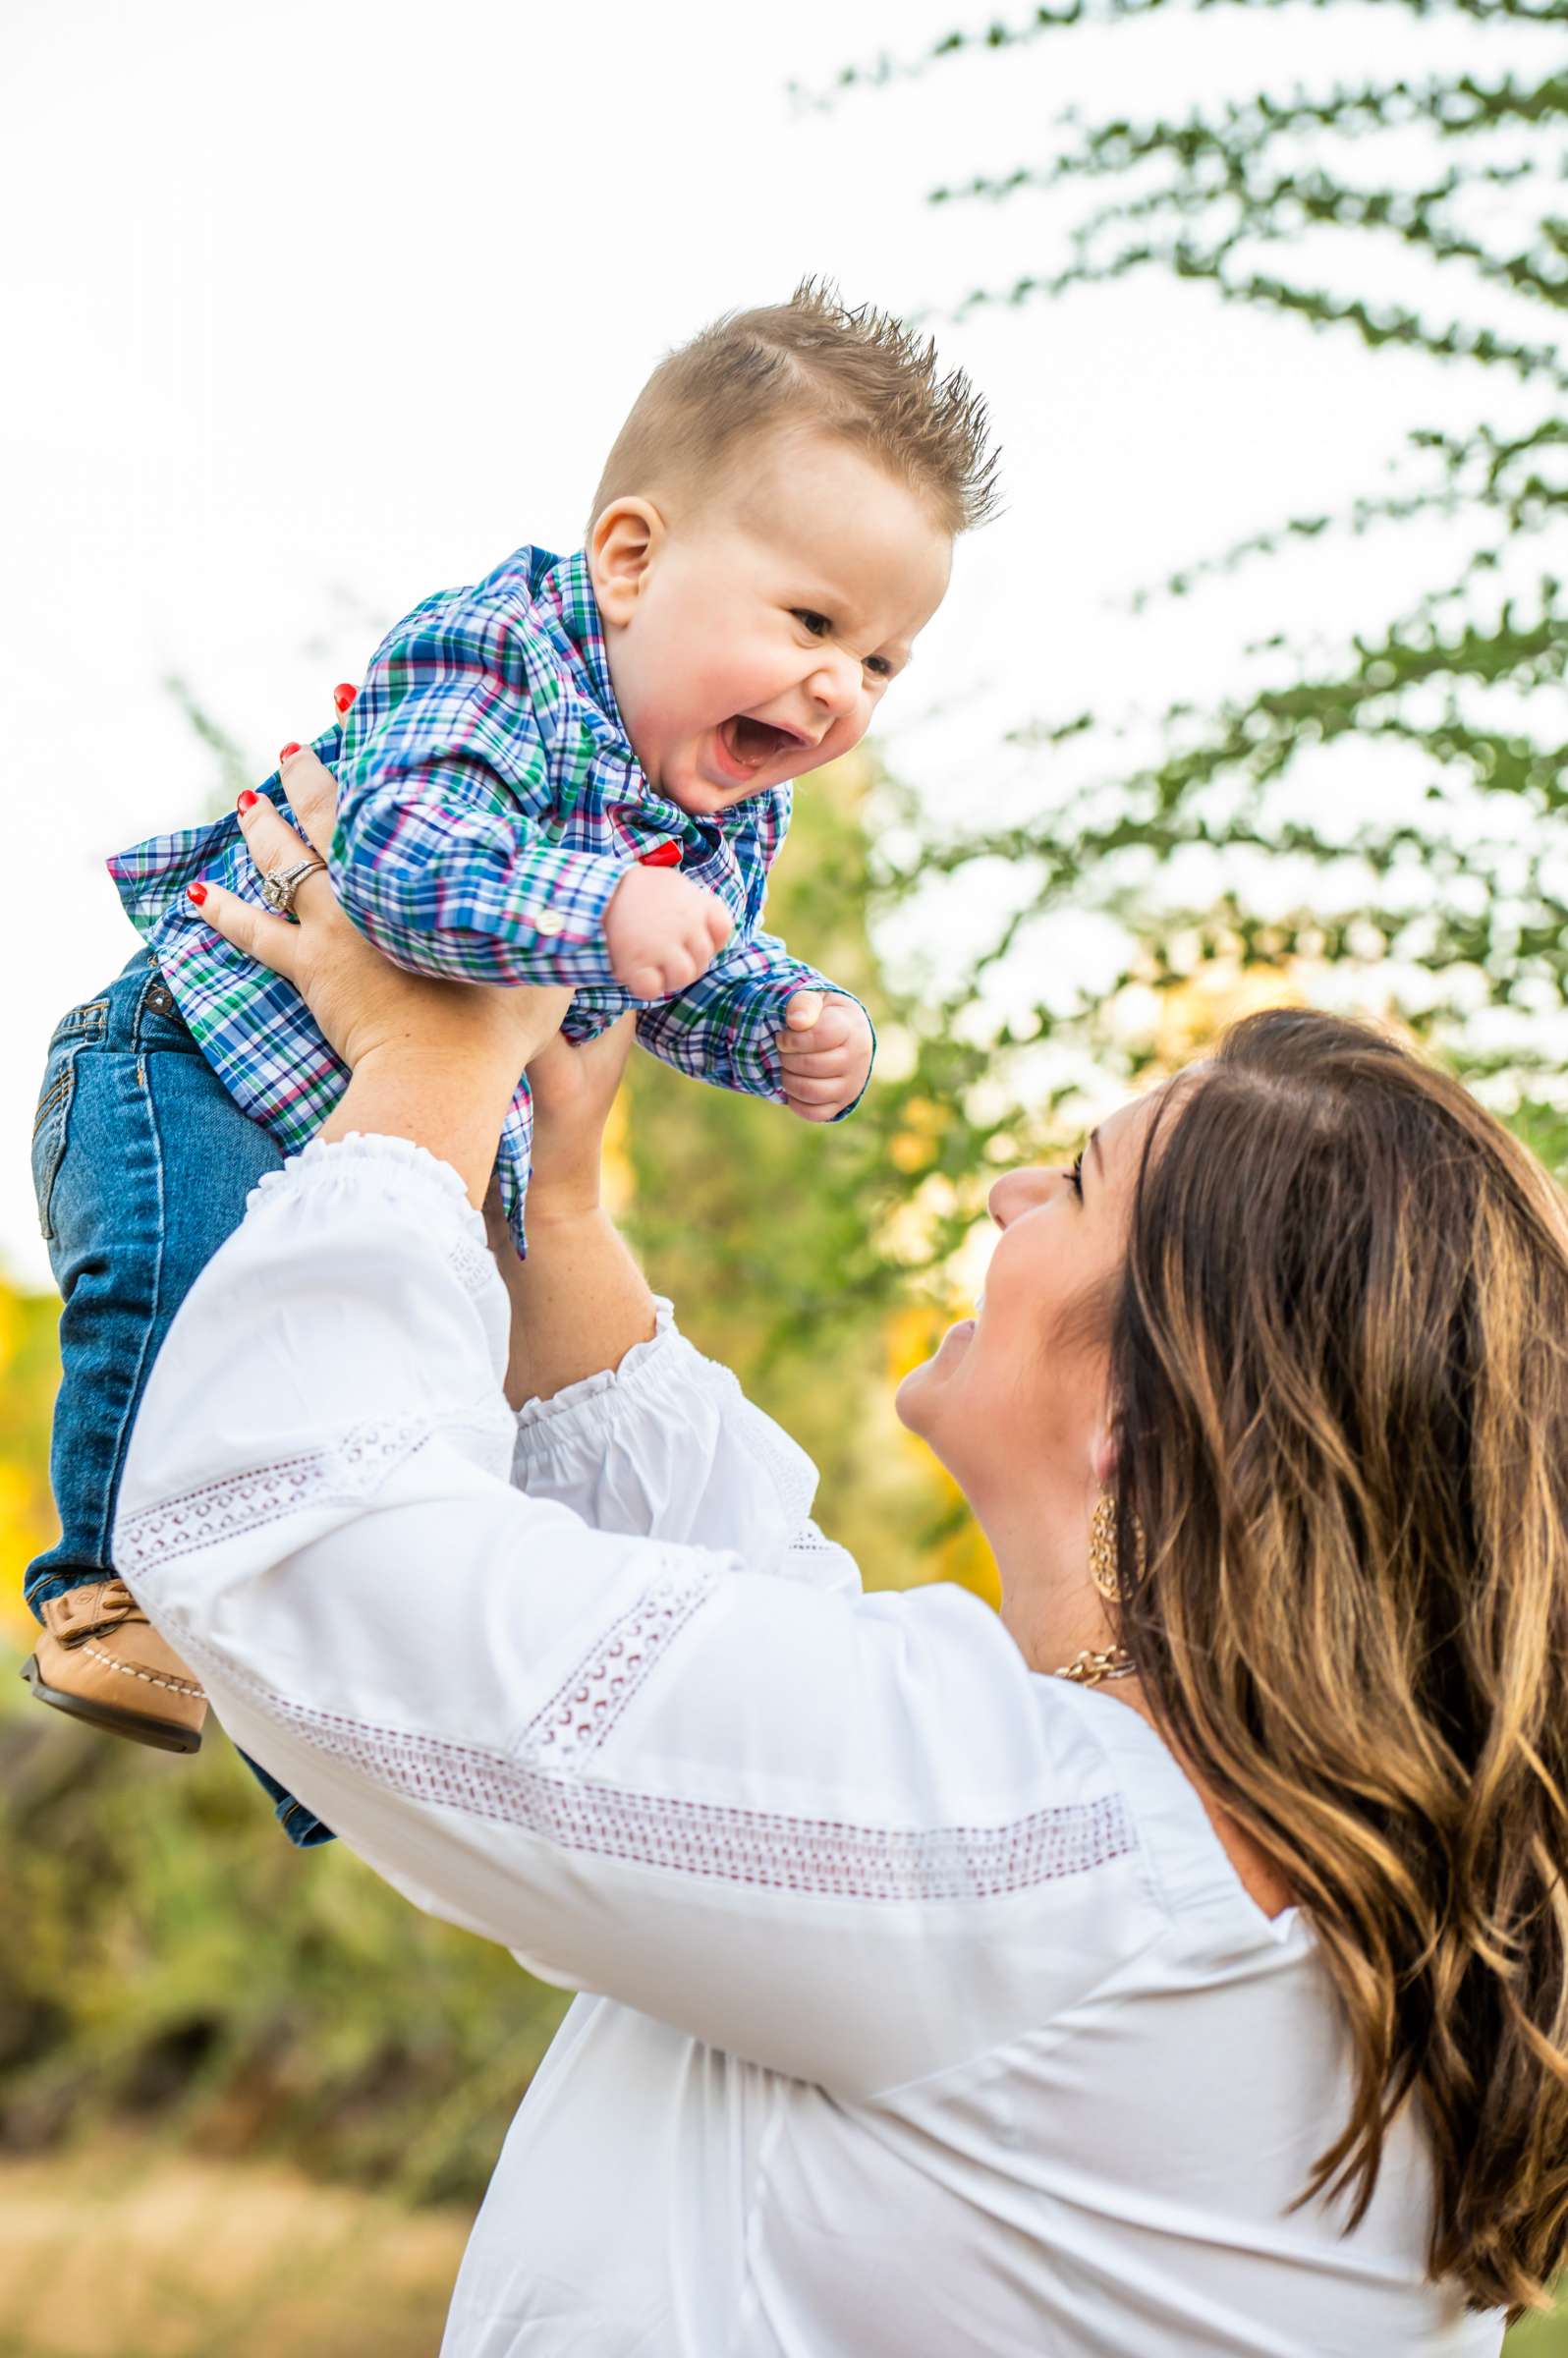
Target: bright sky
{"points": [[318, 308]]}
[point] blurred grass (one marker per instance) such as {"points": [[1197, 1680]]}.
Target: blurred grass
{"points": [[131, 2250]]}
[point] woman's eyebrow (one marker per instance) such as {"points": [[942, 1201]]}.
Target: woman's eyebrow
{"points": [[1095, 1148]]}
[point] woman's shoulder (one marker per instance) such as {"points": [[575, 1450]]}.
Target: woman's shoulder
{"points": [[1193, 1871]]}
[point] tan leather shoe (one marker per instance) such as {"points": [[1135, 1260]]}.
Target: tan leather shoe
{"points": [[100, 1659]]}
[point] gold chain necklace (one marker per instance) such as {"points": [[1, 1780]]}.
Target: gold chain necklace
{"points": [[1091, 1669]]}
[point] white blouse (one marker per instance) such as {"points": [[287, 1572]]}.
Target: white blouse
{"points": [[923, 2011]]}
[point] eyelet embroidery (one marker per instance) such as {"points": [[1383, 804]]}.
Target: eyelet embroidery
{"points": [[349, 1469], [473, 1265], [784, 1462], [827, 1858], [583, 1708], [818, 1561], [716, 1843]]}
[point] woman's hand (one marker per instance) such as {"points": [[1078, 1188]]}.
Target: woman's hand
{"points": [[366, 1007], [433, 1062]]}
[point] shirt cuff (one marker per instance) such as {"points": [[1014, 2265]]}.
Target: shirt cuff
{"points": [[666, 1446], [629, 1375], [550, 927], [411, 1173]]}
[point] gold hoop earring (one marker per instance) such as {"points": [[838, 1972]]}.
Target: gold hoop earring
{"points": [[1092, 1668], [1104, 1554]]}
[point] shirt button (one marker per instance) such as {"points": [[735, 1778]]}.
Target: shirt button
{"points": [[549, 923]]}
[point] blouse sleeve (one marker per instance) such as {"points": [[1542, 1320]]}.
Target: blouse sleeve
{"points": [[841, 1836], [668, 1446]]}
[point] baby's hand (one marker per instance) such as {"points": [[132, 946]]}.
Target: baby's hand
{"points": [[662, 931], [826, 1053]]}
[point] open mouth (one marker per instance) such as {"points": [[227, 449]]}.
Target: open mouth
{"points": [[747, 746]]}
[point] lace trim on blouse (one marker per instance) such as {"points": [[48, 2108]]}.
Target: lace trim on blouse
{"points": [[538, 1787], [720, 1843], [583, 1708], [347, 1469]]}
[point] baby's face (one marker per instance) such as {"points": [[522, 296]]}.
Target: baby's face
{"points": [[763, 625]]}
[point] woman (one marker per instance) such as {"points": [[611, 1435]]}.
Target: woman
{"points": [[1175, 1965]]}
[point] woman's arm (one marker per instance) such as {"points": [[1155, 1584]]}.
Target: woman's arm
{"points": [[580, 1303], [838, 1836]]}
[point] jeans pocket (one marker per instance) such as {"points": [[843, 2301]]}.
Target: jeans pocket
{"points": [[49, 1126]]}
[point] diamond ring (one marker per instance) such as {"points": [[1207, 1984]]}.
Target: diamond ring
{"points": [[280, 884]]}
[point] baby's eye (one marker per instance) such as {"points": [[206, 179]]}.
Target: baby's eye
{"points": [[880, 667], [817, 624]]}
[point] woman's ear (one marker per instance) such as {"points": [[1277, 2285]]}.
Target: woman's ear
{"points": [[622, 545]]}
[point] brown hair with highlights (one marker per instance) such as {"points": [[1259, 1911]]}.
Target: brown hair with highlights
{"points": [[858, 374], [1339, 1369]]}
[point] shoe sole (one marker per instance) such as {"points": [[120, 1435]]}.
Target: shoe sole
{"points": [[160, 1735]]}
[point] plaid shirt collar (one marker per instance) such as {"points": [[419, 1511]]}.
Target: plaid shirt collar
{"points": [[567, 611], [563, 593]]}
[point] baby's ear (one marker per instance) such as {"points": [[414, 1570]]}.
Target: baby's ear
{"points": [[622, 545]]}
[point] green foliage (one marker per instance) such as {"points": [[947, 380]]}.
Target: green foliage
{"points": [[165, 1953], [1382, 800]]}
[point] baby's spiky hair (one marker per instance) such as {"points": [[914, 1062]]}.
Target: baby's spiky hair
{"points": [[861, 375]]}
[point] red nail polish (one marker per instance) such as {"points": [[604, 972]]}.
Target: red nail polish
{"points": [[248, 800], [287, 750], [344, 694], [197, 893]]}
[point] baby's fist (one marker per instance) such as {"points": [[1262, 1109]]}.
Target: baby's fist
{"points": [[825, 1049], [662, 931]]}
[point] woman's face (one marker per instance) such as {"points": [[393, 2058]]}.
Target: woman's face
{"points": [[1015, 1397]]}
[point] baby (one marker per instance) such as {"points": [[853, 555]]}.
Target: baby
{"points": [[576, 771]]}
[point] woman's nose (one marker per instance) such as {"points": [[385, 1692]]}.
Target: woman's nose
{"points": [[1019, 1192]]}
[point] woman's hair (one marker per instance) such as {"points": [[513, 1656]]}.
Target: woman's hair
{"points": [[1339, 1369]]}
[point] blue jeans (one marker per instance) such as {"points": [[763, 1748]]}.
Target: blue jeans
{"points": [[142, 1164]]}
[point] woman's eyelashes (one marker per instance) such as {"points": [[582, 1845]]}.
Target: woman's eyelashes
{"points": [[1075, 1176]]}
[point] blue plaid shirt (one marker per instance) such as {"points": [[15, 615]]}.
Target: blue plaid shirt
{"points": [[488, 803]]}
